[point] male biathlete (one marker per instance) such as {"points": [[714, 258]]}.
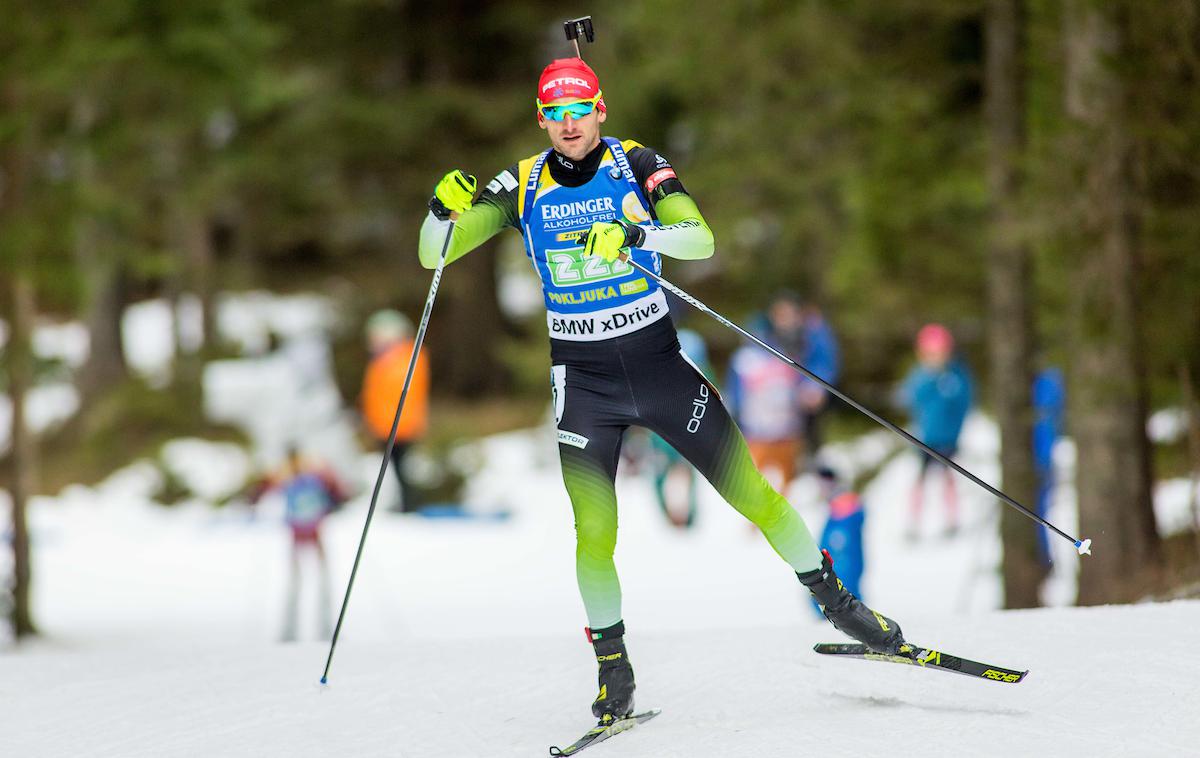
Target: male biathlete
{"points": [[616, 359]]}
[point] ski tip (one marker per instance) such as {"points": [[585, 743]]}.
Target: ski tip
{"points": [[1084, 547]]}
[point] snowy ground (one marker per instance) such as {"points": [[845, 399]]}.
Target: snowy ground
{"points": [[745, 692], [463, 637]]}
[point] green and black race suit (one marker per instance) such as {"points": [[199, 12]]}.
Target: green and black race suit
{"points": [[617, 361]]}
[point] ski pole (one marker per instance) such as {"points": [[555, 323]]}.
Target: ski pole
{"points": [[1082, 546], [387, 452]]}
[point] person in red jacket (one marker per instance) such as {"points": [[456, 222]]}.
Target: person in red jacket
{"points": [[390, 339]]}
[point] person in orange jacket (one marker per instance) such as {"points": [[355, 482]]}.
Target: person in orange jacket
{"points": [[390, 339]]}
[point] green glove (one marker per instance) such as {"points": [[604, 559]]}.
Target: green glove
{"points": [[607, 238], [453, 193]]}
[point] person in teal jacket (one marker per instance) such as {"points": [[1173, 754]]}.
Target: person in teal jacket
{"points": [[938, 392]]}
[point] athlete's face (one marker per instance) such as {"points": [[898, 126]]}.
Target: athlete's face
{"points": [[574, 137]]}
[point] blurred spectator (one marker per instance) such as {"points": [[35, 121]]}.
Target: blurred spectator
{"points": [[842, 536], [676, 482], [938, 393], [1049, 402], [764, 394], [821, 356], [310, 492], [390, 339]]}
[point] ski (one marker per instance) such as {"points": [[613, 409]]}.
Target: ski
{"points": [[925, 658], [603, 731]]}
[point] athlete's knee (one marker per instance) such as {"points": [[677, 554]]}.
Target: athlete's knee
{"points": [[758, 501], [596, 534], [773, 513]]}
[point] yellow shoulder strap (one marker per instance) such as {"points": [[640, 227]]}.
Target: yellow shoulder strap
{"points": [[524, 168], [629, 144]]}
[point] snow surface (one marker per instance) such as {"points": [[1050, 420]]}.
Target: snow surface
{"points": [[1104, 682], [463, 637]]}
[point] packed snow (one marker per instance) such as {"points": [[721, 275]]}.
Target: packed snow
{"points": [[463, 636]]}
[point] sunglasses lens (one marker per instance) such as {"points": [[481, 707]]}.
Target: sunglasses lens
{"points": [[559, 112]]}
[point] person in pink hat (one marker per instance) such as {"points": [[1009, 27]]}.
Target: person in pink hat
{"points": [[938, 393]]}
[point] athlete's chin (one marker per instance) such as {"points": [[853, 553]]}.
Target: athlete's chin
{"points": [[574, 147]]}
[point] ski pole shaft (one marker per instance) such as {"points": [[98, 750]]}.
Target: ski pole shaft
{"points": [[1082, 546], [387, 453]]}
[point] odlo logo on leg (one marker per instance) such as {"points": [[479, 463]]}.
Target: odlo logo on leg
{"points": [[699, 406]]}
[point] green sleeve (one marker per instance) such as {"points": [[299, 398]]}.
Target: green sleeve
{"points": [[684, 234], [473, 227]]}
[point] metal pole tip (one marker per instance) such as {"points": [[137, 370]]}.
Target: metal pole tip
{"points": [[1084, 547]]}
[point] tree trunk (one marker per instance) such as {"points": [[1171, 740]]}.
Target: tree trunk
{"points": [[1010, 313], [186, 233], [106, 286], [198, 247], [105, 298], [242, 270], [14, 164], [189, 236], [107, 295], [1188, 393], [21, 454], [1106, 384]]}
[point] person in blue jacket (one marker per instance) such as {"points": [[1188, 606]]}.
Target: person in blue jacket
{"points": [[823, 357], [842, 537], [1049, 401], [938, 393]]}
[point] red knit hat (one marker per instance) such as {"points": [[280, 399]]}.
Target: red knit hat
{"points": [[568, 79]]}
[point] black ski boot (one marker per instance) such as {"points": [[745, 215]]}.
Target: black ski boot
{"points": [[616, 674], [850, 615]]}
